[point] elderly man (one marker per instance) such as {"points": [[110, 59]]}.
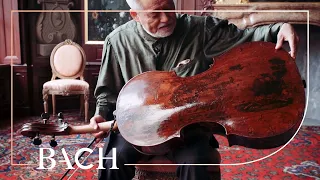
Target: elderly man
{"points": [[162, 41]]}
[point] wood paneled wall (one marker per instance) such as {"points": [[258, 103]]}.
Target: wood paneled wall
{"points": [[5, 92]]}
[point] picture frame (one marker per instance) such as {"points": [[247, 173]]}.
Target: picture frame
{"points": [[102, 17]]}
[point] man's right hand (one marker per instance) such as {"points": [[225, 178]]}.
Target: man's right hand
{"points": [[94, 123]]}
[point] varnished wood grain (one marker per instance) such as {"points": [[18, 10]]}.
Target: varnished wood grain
{"points": [[253, 91]]}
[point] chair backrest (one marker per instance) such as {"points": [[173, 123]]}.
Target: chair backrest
{"points": [[67, 60]]}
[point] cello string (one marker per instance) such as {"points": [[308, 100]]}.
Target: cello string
{"points": [[85, 157], [64, 175], [109, 132]]}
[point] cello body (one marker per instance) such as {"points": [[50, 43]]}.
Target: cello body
{"points": [[253, 92]]}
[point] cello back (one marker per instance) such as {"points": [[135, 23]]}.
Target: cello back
{"points": [[253, 91]]}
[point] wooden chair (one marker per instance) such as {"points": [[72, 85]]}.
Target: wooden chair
{"points": [[67, 62]]}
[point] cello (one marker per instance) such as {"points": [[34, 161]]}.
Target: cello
{"points": [[253, 92]]}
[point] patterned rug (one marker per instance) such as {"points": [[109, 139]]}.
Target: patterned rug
{"points": [[300, 159]]}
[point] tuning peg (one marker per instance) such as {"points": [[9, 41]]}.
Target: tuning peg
{"points": [[45, 117], [53, 143], [37, 141], [60, 117]]}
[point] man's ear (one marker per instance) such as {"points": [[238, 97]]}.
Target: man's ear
{"points": [[134, 15]]}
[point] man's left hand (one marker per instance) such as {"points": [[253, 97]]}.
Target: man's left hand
{"points": [[287, 33]]}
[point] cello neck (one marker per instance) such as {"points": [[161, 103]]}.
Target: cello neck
{"points": [[84, 129]]}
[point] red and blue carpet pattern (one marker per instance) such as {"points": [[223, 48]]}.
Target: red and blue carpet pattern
{"points": [[300, 159]]}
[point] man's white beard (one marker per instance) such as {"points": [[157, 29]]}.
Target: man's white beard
{"points": [[159, 34]]}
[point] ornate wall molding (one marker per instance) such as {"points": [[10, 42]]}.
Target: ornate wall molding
{"points": [[249, 19], [54, 27]]}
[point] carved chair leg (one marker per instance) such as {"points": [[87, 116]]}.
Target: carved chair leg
{"points": [[86, 107], [81, 104], [45, 100], [53, 105]]}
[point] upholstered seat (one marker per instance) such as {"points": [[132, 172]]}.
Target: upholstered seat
{"points": [[66, 85], [67, 62]]}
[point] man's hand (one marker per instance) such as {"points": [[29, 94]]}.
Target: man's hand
{"points": [[287, 33], [94, 123]]}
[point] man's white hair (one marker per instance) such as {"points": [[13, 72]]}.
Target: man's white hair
{"points": [[134, 4]]}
